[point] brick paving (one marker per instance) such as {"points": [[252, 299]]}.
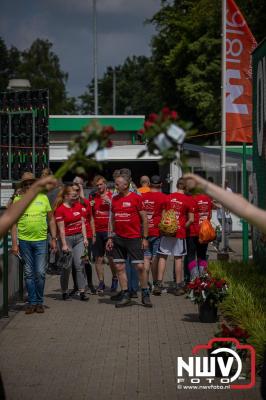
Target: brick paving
{"points": [[80, 351]]}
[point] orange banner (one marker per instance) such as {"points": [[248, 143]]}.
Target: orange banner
{"points": [[239, 45]]}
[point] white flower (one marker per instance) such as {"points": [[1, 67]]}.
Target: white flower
{"points": [[101, 155], [162, 142], [176, 133], [92, 148]]}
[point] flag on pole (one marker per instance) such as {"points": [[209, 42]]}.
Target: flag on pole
{"points": [[239, 45]]}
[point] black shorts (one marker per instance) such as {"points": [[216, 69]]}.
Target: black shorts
{"points": [[98, 248], [124, 248]]}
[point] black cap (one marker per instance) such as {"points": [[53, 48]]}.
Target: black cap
{"points": [[156, 180]]}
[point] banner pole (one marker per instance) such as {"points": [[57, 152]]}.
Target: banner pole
{"points": [[223, 136]]}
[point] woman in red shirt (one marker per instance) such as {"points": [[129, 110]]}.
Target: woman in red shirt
{"points": [[69, 215], [91, 236]]}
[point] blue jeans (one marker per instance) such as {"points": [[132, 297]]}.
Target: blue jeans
{"points": [[132, 277], [35, 255]]}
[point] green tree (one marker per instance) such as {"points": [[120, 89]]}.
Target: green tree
{"points": [[186, 52], [41, 66], [4, 66], [137, 91]]}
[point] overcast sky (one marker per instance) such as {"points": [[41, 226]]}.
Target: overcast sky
{"points": [[68, 25]]}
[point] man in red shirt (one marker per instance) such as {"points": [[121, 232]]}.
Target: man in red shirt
{"points": [[154, 202], [101, 213], [128, 238], [175, 246]]}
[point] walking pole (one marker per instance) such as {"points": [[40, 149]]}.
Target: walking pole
{"points": [[5, 276]]}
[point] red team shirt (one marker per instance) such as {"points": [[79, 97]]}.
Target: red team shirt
{"points": [[181, 204], [127, 221], [154, 203], [71, 217], [203, 210], [101, 213]]}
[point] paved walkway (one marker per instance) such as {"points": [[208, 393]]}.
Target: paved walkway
{"points": [[93, 351]]}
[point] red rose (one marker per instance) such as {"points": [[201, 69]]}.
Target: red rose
{"points": [[226, 331], [174, 115], [109, 143], [147, 124], [141, 132], [153, 117], [109, 129], [166, 111]]}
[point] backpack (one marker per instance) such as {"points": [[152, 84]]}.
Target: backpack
{"points": [[168, 225], [206, 232]]}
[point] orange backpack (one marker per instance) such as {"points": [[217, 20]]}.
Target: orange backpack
{"points": [[206, 232], [168, 224]]}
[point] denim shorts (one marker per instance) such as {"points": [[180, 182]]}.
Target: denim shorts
{"points": [[154, 242]]}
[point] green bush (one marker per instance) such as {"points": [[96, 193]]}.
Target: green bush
{"points": [[245, 304]]}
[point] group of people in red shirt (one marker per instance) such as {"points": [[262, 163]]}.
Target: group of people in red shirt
{"points": [[123, 226]]}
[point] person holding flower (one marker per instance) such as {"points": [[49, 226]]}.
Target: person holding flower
{"points": [[91, 236], [73, 236]]}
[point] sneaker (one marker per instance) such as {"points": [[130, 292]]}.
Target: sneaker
{"points": [[179, 291], [39, 309], [30, 309], [124, 301], [101, 287], [114, 285], [83, 296], [66, 296], [72, 293], [91, 289], [157, 291], [134, 294], [117, 297], [146, 300], [230, 250]]}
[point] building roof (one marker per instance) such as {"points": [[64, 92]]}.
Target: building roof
{"points": [[75, 123]]}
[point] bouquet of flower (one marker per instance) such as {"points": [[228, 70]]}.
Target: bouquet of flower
{"points": [[87, 150], [163, 136], [236, 332], [85, 256], [207, 288]]}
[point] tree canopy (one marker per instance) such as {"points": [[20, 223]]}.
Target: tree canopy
{"points": [[41, 66], [137, 91]]}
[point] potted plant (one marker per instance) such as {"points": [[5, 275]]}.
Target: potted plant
{"points": [[207, 292]]}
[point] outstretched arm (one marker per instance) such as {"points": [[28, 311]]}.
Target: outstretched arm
{"points": [[233, 202], [14, 212]]}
